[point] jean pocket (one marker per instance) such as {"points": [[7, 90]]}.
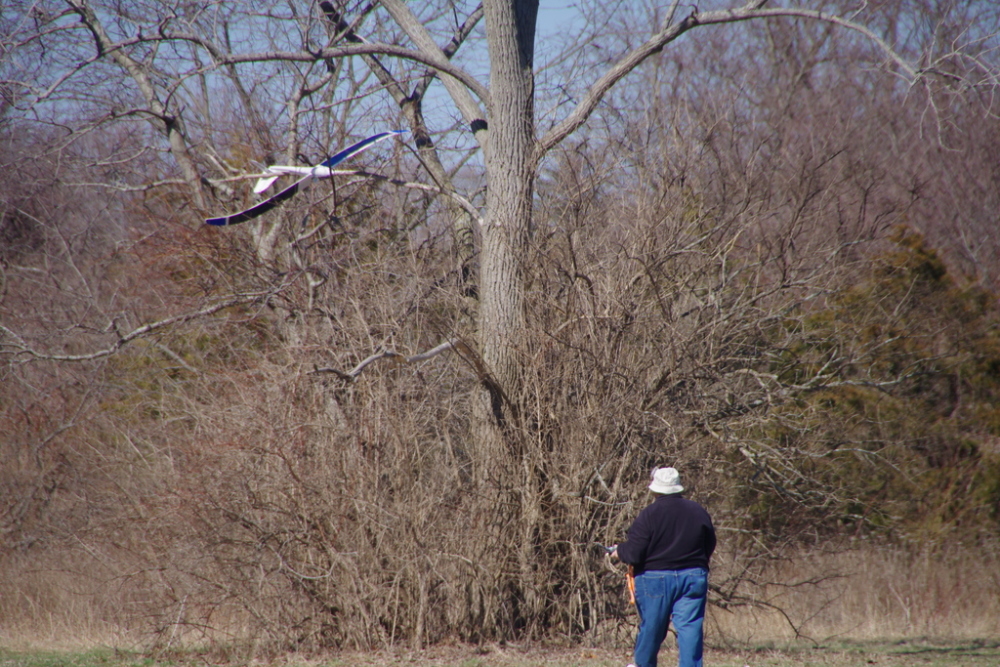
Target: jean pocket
{"points": [[650, 587]]}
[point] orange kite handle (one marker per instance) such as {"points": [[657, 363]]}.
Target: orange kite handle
{"points": [[630, 579]]}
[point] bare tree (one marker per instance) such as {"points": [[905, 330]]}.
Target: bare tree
{"points": [[626, 282]]}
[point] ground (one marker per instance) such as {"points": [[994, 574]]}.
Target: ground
{"points": [[924, 653]]}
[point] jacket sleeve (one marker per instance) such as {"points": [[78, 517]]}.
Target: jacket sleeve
{"points": [[633, 549]]}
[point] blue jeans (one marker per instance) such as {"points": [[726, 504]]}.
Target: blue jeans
{"points": [[664, 594]]}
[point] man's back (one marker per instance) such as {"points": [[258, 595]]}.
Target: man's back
{"points": [[672, 533]]}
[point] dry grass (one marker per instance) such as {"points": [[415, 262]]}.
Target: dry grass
{"points": [[871, 595], [60, 602], [881, 612], [874, 594]]}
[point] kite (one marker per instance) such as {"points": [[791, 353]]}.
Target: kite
{"points": [[322, 170]]}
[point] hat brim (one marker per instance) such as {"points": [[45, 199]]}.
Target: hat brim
{"points": [[665, 489]]}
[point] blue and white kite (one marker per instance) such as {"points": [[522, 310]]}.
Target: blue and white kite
{"points": [[322, 170]]}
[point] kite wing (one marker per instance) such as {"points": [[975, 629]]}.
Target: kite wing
{"points": [[291, 190], [365, 144], [261, 208]]}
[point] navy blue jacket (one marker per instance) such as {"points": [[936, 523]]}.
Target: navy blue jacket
{"points": [[672, 533]]}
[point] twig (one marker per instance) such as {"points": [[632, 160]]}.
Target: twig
{"points": [[390, 354]]}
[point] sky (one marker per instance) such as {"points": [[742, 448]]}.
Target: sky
{"points": [[555, 15]]}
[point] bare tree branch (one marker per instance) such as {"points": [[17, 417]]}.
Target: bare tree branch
{"points": [[107, 47], [412, 108], [436, 57], [372, 48], [169, 124], [19, 347], [751, 11]]}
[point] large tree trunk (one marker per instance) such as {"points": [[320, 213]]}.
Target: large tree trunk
{"points": [[510, 166]]}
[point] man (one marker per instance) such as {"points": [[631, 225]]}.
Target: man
{"points": [[669, 547]]}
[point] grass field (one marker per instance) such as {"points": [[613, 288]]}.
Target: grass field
{"points": [[880, 654]]}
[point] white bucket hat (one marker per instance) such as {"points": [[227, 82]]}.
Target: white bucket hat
{"points": [[665, 481]]}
